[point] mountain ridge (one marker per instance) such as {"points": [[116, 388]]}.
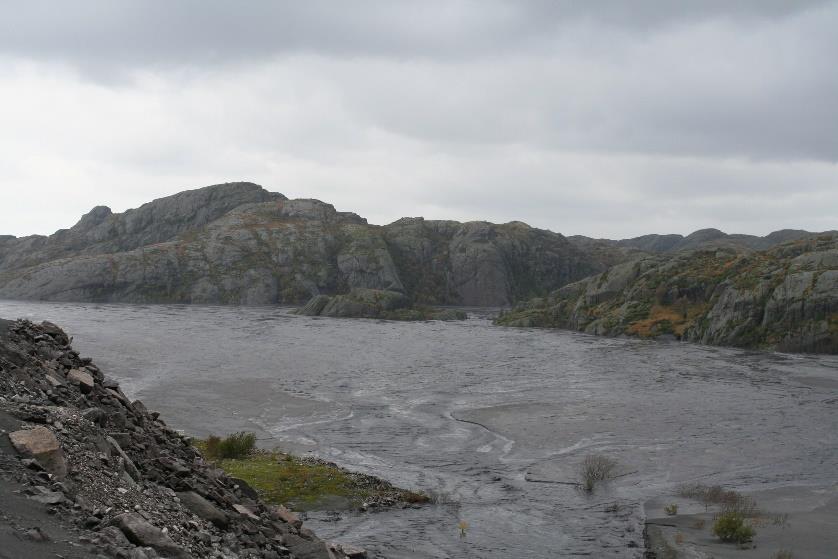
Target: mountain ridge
{"points": [[237, 243]]}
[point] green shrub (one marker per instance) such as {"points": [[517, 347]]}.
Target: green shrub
{"points": [[731, 527], [671, 510], [237, 445]]}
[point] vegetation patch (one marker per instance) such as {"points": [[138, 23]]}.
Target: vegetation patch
{"points": [[731, 527], [303, 483], [596, 468], [665, 320]]}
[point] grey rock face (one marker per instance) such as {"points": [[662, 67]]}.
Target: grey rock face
{"points": [[239, 244], [358, 303], [785, 298], [480, 263], [102, 232]]}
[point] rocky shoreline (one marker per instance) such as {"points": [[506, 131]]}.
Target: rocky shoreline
{"points": [[85, 472], [784, 298]]}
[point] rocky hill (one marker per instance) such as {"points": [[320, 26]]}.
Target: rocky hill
{"points": [[239, 244], [783, 298], [85, 472], [703, 238]]}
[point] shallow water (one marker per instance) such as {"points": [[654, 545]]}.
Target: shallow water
{"points": [[492, 420]]}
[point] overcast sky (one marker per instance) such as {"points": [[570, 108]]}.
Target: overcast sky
{"points": [[609, 119]]}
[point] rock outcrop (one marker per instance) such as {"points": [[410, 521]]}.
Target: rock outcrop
{"points": [[112, 476], [374, 303], [785, 298], [239, 244]]}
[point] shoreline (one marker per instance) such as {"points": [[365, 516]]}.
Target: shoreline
{"points": [[312, 484], [99, 474]]}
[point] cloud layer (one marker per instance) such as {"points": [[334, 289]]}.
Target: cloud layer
{"points": [[578, 117]]}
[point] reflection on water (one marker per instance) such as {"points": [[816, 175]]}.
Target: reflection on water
{"points": [[493, 420]]}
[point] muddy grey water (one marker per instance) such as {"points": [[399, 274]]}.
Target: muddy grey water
{"points": [[492, 420]]}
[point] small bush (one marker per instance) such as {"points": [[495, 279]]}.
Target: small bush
{"points": [[594, 469], [729, 501], [731, 527], [237, 445], [671, 510]]}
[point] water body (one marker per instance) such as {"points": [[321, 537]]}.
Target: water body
{"points": [[492, 420]]}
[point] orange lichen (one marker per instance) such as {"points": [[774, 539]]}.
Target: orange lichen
{"points": [[658, 314]]}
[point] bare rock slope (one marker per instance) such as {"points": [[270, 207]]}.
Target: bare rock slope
{"points": [[239, 244], [85, 472]]}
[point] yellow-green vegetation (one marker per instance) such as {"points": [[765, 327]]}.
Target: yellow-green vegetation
{"points": [[731, 527], [666, 320], [304, 483]]}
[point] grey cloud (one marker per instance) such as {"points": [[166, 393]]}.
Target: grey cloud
{"points": [[96, 32], [605, 118]]}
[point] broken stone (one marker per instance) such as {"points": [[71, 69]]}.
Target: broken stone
{"points": [[130, 468], [40, 443], [203, 508], [245, 511], [142, 533], [286, 516], [82, 378], [353, 552], [47, 497]]}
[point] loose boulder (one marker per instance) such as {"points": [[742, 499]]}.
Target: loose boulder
{"points": [[40, 443], [203, 508], [142, 533], [83, 379]]}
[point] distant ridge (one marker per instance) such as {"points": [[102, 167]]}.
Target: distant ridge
{"points": [[237, 243], [703, 238]]}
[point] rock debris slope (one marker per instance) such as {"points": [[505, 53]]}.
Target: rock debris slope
{"points": [[239, 244], [84, 472], [784, 298]]}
